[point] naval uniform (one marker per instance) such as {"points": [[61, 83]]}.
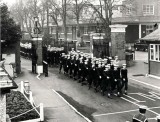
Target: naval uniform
{"points": [[124, 77]]}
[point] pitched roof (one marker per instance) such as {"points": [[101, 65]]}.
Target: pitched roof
{"points": [[154, 36]]}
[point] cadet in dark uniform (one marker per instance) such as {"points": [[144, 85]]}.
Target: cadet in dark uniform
{"points": [[61, 62], [107, 80], [124, 78], [84, 72], [68, 64], [99, 76], [141, 116], [117, 80], [80, 69], [65, 64], [76, 66], [71, 66]]}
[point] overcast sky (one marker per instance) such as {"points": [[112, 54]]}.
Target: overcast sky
{"points": [[9, 2]]}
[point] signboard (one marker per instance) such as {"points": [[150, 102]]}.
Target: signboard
{"points": [[6, 83], [4, 80]]}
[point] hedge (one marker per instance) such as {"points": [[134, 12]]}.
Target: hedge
{"points": [[17, 104]]}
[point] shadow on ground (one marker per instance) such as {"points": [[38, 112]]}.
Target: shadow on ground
{"points": [[85, 110]]}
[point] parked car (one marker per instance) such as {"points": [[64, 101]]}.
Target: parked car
{"points": [[141, 46]]}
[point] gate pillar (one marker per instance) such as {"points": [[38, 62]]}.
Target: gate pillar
{"points": [[118, 41]]}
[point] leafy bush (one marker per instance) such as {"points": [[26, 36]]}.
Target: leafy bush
{"points": [[17, 104]]}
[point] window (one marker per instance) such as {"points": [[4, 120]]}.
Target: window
{"points": [[149, 29], [85, 30], [69, 29], [148, 10], [151, 52], [155, 52]]}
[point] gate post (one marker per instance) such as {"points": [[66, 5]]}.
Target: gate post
{"points": [[118, 41]]}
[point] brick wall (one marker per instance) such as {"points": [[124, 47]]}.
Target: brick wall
{"points": [[118, 44]]}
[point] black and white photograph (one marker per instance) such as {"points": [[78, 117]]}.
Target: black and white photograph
{"points": [[79, 60]]}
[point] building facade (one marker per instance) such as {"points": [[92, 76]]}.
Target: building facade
{"points": [[141, 16]]}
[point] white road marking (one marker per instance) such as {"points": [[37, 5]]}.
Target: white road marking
{"points": [[130, 101], [121, 112], [143, 95], [133, 93], [155, 95], [145, 83], [152, 118], [72, 106], [139, 105], [132, 98], [115, 113]]}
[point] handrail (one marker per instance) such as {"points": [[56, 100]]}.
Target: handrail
{"points": [[31, 100]]}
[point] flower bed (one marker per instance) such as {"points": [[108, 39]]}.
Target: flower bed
{"points": [[17, 104]]}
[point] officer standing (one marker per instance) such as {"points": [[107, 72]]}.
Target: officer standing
{"points": [[141, 116]]}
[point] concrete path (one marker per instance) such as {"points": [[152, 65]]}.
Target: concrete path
{"points": [[55, 109]]}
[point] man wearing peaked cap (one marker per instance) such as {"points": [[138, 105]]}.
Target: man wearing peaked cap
{"points": [[141, 116]]}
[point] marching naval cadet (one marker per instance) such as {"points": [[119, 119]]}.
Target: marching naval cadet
{"points": [[141, 116], [61, 62], [100, 76], [117, 80], [106, 85], [84, 72], [65, 64], [80, 69], [76, 66], [124, 77], [71, 66]]}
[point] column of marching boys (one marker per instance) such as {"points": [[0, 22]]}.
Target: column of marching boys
{"points": [[103, 75]]}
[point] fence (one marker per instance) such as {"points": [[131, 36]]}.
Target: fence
{"points": [[39, 109]]}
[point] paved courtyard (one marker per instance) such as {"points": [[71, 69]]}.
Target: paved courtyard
{"points": [[92, 105]]}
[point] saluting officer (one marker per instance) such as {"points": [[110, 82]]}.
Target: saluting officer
{"points": [[124, 77], [141, 116]]}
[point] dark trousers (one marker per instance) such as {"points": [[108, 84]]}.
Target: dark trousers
{"points": [[60, 67], [116, 84], [124, 84]]}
